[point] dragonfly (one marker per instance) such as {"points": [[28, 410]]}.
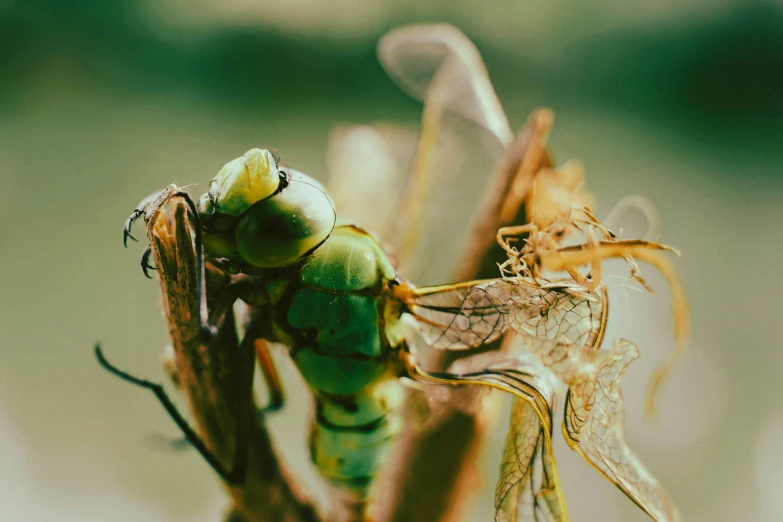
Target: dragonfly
{"points": [[317, 279]]}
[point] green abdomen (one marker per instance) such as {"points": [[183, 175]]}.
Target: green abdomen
{"points": [[340, 337]]}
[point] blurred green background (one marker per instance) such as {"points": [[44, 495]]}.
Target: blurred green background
{"points": [[103, 102]]}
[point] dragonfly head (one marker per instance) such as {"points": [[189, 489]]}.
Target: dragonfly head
{"points": [[263, 215]]}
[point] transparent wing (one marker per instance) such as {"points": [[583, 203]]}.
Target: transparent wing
{"points": [[437, 64], [555, 321], [464, 133], [368, 167], [528, 487], [594, 426], [635, 250], [525, 490]]}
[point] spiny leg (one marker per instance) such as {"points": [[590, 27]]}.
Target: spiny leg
{"points": [[230, 476], [140, 210], [236, 475], [126, 229], [225, 303], [254, 337], [150, 207], [245, 417], [271, 376], [267, 365], [145, 262]]}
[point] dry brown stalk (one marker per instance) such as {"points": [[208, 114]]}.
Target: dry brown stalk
{"points": [[216, 377]]}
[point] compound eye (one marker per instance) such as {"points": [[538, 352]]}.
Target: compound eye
{"points": [[279, 230], [242, 182]]}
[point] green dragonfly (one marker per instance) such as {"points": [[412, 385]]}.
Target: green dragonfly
{"points": [[317, 279]]}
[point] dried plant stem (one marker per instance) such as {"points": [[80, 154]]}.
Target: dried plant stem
{"points": [[216, 377], [505, 198]]}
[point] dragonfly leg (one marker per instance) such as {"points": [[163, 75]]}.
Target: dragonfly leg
{"points": [[271, 376], [267, 365], [149, 208], [145, 262], [232, 477], [140, 210], [265, 362], [264, 357]]}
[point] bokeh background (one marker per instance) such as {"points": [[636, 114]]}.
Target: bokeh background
{"points": [[103, 102]]}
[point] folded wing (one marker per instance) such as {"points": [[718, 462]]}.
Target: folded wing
{"points": [[594, 426], [528, 487]]}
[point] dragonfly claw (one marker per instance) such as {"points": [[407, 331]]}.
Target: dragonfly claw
{"points": [[126, 230], [145, 263], [140, 210]]}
